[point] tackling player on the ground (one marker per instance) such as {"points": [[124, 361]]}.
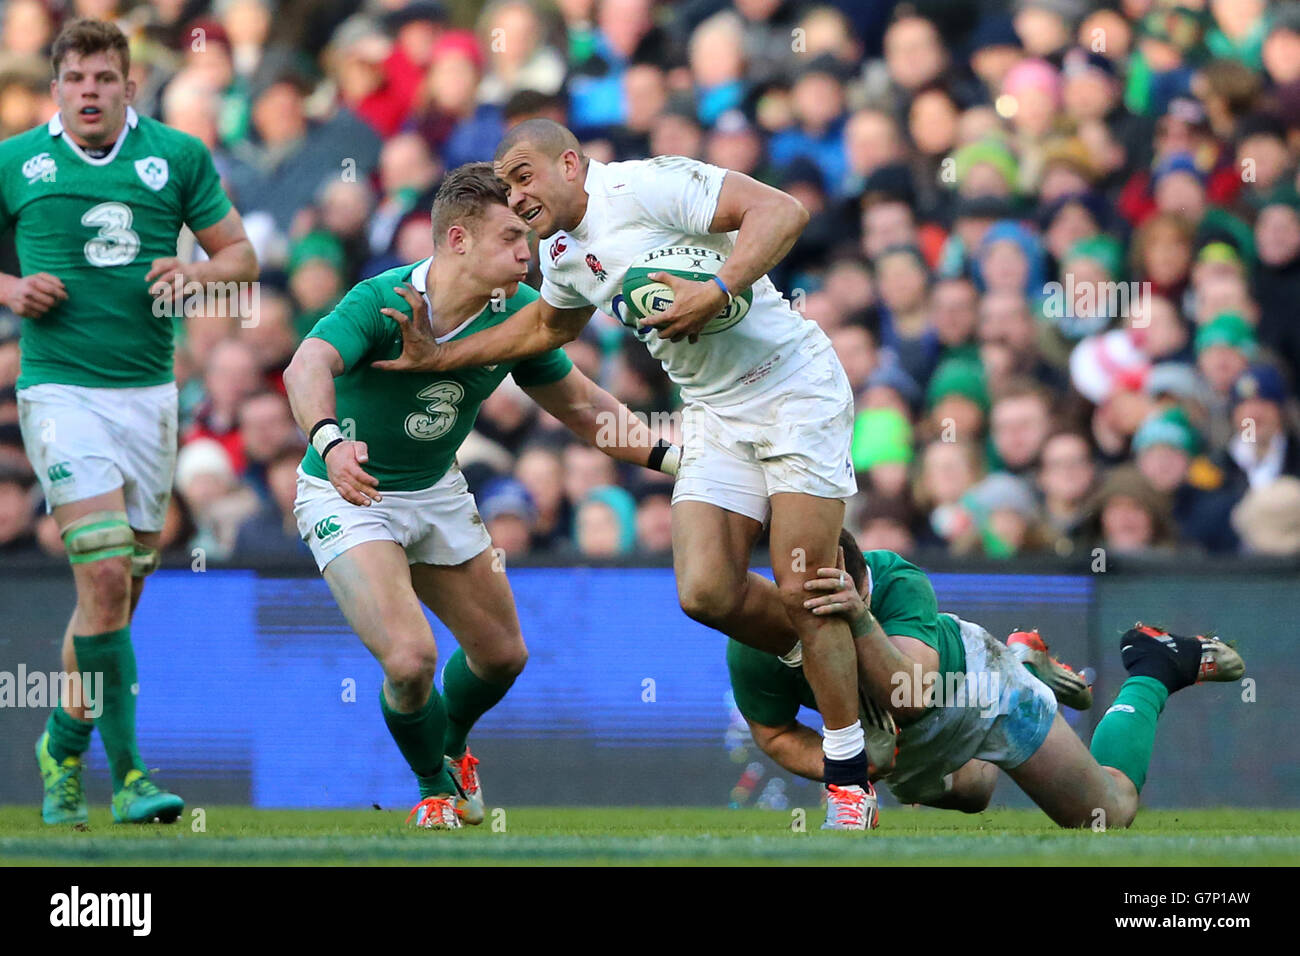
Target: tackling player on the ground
{"points": [[97, 198], [956, 733], [385, 495], [769, 410]]}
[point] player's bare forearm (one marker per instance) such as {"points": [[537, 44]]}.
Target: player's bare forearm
{"points": [[597, 417], [236, 262], [534, 329], [231, 257], [795, 747], [768, 223], [309, 382]]}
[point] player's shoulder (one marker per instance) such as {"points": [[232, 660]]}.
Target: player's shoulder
{"points": [[169, 140], [883, 558], [884, 565], [380, 287], [655, 166], [21, 147], [641, 175]]}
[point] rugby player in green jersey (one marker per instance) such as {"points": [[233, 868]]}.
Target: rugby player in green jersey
{"points": [[96, 199], [382, 503], [965, 704]]}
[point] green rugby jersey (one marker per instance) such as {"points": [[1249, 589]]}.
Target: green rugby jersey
{"points": [[98, 224], [902, 600], [412, 422]]}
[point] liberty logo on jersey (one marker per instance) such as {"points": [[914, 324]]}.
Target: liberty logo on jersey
{"points": [[439, 416], [596, 268], [59, 471], [152, 170], [40, 167], [327, 528]]}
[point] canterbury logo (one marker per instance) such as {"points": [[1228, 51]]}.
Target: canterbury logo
{"points": [[41, 166], [59, 471], [327, 527]]}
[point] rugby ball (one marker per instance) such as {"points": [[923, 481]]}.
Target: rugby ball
{"points": [[643, 296]]}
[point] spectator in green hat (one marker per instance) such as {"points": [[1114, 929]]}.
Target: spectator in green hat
{"points": [[1217, 256], [1106, 252], [1087, 270], [957, 399], [1166, 447], [316, 263], [986, 167], [1220, 283], [1166, 429], [1224, 348]]}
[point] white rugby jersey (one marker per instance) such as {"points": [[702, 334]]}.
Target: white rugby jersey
{"points": [[637, 206]]}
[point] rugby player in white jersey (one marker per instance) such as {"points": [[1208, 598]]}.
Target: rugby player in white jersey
{"points": [[769, 410]]}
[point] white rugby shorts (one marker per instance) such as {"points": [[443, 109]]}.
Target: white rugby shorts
{"points": [[85, 441], [793, 437], [435, 525]]}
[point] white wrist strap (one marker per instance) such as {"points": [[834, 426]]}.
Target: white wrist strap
{"points": [[672, 460], [325, 436]]}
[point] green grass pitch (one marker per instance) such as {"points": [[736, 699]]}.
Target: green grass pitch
{"points": [[539, 836]]}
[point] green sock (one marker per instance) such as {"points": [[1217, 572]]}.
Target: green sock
{"points": [[69, 737], [469, 697], [419, 737], [1126, 734], [112, 655]]}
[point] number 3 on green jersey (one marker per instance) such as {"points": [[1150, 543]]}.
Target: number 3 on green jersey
{"points": [[115, 244], [439, 416]]}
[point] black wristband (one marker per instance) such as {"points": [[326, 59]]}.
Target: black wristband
{"points": [[657, 453], [317, 427], [337, 441]]}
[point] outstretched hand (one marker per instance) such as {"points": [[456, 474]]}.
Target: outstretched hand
{"points": [[695, 304], [420, 349]]}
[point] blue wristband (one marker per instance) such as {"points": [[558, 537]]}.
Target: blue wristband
{"points": [[723, 286]]}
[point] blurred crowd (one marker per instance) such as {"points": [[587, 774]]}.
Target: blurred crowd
{"points": [[1055, 243]]}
